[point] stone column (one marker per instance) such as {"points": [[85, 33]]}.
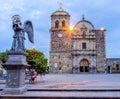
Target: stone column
{"points": [[15, 65]]}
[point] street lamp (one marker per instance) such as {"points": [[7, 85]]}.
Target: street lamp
{"points": [[102, 30], [71, 28]]}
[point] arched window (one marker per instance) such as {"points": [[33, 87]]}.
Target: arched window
{"points": [[63, 23], [56, 24]]}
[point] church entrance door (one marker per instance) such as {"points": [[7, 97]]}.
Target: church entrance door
{"points": [[84, 65]]}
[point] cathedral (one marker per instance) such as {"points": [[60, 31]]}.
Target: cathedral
{"points": [[78, 50]]}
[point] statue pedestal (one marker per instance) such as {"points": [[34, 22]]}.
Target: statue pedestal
{"points": [[15, 65]]}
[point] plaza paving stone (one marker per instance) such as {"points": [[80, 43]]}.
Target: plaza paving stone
{"points": [[72, 85]]}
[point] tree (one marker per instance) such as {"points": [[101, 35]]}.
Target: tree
{"points": [[37, 60], [4, 56]]}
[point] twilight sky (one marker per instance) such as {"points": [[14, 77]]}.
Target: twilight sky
{"points": [[102, 13]]}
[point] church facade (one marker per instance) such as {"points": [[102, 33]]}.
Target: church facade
{"points": [[79, 50]]}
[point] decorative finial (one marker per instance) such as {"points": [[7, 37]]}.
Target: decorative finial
{"points": [[83, 17], [61, 5]]}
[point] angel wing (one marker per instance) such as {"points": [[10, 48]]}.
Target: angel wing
{"points": [[28, 28]]}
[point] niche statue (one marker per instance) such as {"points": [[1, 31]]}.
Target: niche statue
{"points": [[18, 44]]}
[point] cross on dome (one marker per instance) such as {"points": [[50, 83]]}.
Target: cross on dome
{"points": [[83, 18], [60, 5]]}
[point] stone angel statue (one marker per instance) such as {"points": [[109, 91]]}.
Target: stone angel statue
{"points": [[18, 44]]}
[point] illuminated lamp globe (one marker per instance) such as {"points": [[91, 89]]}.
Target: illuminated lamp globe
{"points": [[71, 28]]}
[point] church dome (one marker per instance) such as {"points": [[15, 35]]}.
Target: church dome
{"points": [[84, 23], [60, 11]]}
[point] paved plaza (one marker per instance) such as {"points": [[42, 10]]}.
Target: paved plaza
{"points": [[77, 81], [73, 85]]}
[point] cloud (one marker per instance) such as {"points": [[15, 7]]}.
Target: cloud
{"points": [[35, 14], [102, 13]]}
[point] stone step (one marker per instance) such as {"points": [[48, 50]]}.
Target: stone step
{"points": [[62, 95], [75, 90]]}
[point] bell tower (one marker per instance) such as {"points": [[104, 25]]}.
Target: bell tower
{"points": [[60, 21], [60, 44]]}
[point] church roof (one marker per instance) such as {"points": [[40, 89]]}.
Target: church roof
{"points": [[85, 23], [60, 11]]}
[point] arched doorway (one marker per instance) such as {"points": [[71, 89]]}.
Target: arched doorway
{"points": [[84, 65]]}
